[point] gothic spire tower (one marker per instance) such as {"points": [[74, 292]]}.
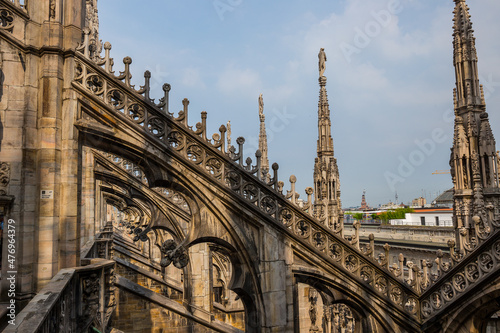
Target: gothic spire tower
{"points": [[327, 205], [473, 161]]}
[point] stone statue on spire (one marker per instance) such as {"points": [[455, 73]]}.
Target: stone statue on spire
{"points": [[261, 104], [263, 141], [228, 133], [322, 62]]}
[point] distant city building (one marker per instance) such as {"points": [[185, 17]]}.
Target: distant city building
{"points": [[445, 199], [438, 217], [391, 205], [364, 205], [419, 202]]}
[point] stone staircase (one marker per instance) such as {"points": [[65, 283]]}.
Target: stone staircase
{"points": [[4, 320], [149, 299]]}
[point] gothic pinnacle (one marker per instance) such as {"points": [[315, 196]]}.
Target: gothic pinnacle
{"points": [[473, 159], [327, 205], [465, 59]]}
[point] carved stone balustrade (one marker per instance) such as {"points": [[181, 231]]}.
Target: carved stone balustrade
{"points": [[75, 300]]}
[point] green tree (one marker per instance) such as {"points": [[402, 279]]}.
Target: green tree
{"points": [[397, 214], [358, 216]]}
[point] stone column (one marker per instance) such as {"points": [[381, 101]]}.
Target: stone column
{"points": [[89, 197], [276, 293], [57, 156]]}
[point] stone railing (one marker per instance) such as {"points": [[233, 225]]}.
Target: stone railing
{"points": [[75, 300], [8, 11], [6, 19], [101, 247], [461, 275], [19, 3]]}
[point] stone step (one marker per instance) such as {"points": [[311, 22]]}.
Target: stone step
{"points": [[4, 320], [150, 275], [195, 314], [114, 330]]}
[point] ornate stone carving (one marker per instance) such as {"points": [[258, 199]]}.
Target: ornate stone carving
{"points": [[136, 113], [6, 20], [336, 251], [92, 23], [351, 262], [313, 299], [4, 174], [52, 9], [366, 274], [90, 295], [174, 253], [268, 205]]}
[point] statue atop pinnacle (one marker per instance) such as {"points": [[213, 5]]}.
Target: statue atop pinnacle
{"points": [[261, 105], [322, 62], [263, 141]]}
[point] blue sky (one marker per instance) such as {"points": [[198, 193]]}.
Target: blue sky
{"points": [[389, 69]]}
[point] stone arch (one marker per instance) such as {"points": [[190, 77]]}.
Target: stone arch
{"points": [[240, 281], [359, 314], [474, 312], [365, 309], [331, 297], [159, 172], [159, 215]]}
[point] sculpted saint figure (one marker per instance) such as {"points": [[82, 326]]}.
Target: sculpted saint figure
{"points": [[52, 9], [322, 61], [228, 126], [261, 104]]}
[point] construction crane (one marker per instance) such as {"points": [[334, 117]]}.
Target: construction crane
{"points": [[441, 172]]}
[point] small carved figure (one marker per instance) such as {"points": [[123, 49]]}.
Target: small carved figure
{"points": [[228, 133], [498, 160], [313, 298], [464, 168], [322, 62], [261, 104], [52, 13]]}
